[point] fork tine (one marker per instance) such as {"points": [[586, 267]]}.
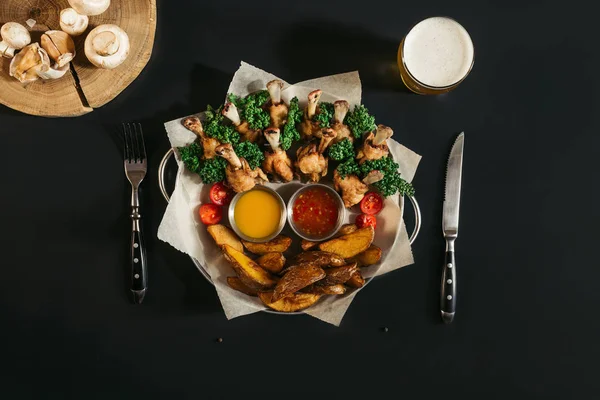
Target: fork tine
{"points": [[143, 147], [134, 143], [138, 154], [127, 149]]}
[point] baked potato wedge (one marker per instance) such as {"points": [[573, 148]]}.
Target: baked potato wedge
{"points": [[272, 262], [277, 245], [236, 283], [370, 256], [294, 302], [331, 289], [307, 244], [222, 235], [356, 280], [336, 275], [249, 272], [344, 230], [350, 245], [319, 258], [297, 278]]}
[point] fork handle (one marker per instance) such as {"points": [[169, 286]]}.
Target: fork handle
{"points": [[139, 273]]}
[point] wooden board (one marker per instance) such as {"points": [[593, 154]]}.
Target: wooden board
{"points": [[85, 87]]}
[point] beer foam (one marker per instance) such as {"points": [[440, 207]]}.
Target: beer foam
{"points": [[438, 52]]}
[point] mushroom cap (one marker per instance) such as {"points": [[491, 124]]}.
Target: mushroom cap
{"points": [[90, 7], [72, 22], [15, 35], [107, 46]]}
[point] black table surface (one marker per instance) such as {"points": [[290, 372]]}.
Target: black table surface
{"points": [[528, 272]]}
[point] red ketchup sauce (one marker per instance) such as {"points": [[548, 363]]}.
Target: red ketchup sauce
{"points": [[315, 212]]}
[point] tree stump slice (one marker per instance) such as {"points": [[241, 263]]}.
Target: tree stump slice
{"points": [[84, 87]]}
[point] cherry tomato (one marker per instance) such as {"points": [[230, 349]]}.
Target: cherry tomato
{"points": [[210, 214], [220, 194], [364, 220], [372, 203]]}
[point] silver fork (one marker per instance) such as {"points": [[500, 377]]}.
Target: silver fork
{"points": [[135, 170]]}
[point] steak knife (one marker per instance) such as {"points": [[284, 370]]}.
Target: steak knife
{"points": [[450, 228]]}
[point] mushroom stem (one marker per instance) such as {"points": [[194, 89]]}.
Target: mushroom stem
{"points": [[230, 112], [273, 135], [372, 177], [328, 135], [383, 133], [313, 100], [274, 87], [226, 151], [72, 22], [105, 43], [341, 108]]}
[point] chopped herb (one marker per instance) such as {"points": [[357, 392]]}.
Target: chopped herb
{"points": [[210, 171], [342, 150], [290, 134], [391, 183], [215, 127], [250, 108], [251, 152], [360, 121], [324, 115]]}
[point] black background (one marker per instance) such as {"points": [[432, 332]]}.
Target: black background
{"points": [[527, 320]]}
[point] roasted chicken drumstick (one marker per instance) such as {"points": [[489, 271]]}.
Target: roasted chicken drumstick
{"points": [[309, 128], [208, 144], [342, 131], [375, 146], [277, 109], [230, 112], [310, 161], [276, 161], [353, 189], [239, 174]]}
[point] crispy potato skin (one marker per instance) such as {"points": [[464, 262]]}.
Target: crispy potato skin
{"points": [[350, 245], [319, 258], [307, 244], [249, 272], [278, 245], [294, 302], [338, 274], [222, 235], [236, 283], [346, 229], [356, 280], [331, 289], [370, 256], [272, 262], [297, 278]]}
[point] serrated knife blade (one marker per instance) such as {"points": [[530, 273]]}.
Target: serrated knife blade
{"points": [[452, 192], [450, 214]]}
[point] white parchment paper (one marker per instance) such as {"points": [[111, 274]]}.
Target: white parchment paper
{"points": [[181, 228]]}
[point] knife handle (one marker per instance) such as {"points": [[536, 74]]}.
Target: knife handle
{"points": [[139, 272], [448, 297]]}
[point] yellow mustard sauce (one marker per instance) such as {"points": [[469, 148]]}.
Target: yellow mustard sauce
{"points": [[257, 214]]}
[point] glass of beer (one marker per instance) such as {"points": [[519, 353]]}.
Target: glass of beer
{"points": [[435, 56]]}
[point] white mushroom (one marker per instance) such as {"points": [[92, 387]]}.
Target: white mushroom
{"points": [[90, 7], [14, 37], [72, 22], [59, 46], [26, 65], [107, 46]]}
